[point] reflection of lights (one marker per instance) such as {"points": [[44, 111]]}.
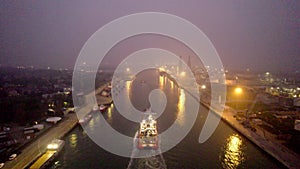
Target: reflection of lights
{"points": [[161, 81], [128, 85], [92, 123], [181, 106], [73, 140], [109, 112], [172, 84], [233, 154]]}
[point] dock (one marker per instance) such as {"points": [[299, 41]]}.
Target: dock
{"points": [[43, 160], [287, 157], [36, 148], [281, 153]]}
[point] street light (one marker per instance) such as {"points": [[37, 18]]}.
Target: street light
{"points": [[238, 90]]}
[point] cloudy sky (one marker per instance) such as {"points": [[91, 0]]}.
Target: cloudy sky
{"points": [[258, 34]]}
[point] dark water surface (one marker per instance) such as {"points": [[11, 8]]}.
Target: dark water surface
{"points": [[225, 149]]}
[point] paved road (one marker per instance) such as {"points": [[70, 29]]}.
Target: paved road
{"points": [[37, 147]]}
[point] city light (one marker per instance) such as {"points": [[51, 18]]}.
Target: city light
{"points": [[182, 74], [238, 90], [52, 146]]}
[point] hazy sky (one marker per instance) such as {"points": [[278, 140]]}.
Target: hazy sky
{"points": [[257, 34]]}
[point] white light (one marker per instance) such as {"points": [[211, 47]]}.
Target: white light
{"points": [[203, 87], [52, 146]]}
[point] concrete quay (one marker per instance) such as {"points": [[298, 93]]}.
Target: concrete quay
{"points": [[38, 146], [286, 156]]}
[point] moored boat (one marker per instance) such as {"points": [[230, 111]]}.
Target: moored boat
{"points": [[85, 119], [102, 108]]}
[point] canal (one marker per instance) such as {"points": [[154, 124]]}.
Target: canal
{"points": [[226, 148]]}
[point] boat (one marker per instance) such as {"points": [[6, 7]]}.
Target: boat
{"points": [[12, 157], [96, 108], [102, 108], [85, 119], [147, 134]]}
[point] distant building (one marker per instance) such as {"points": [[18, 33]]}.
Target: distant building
{"points": [[297, 125], [286, 102]]}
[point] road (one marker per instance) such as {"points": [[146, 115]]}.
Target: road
{"points": [[37, 147]]}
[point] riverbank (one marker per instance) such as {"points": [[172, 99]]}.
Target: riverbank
{"points": [[37, 147], [284, 155], [287, 157]]}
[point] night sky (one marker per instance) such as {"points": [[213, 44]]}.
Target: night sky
{"points": [[260, 35]]}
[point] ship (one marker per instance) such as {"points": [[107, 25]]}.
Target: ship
{"points": [[85, 119], [147, 135], [102, 108]]}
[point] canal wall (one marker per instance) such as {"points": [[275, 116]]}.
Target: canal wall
{"points": [[281, 153], [60, 129]]}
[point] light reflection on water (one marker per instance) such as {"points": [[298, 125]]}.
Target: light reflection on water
{"points": [[161, 81], [172, 84], [233, 152], [109, 112], [128, 86], [226, 149], [181, 107], [73, 140]]}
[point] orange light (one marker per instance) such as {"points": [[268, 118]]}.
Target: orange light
{"points": [[238, 90]]}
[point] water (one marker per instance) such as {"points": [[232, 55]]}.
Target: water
{"points": [[225, 149]]}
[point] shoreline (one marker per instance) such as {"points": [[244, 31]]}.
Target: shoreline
{"points": [[284, 155], [33, 150], [276, 150]]}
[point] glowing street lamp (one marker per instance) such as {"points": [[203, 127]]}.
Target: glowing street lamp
{"points": [[238, 90], [203, 87]]}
